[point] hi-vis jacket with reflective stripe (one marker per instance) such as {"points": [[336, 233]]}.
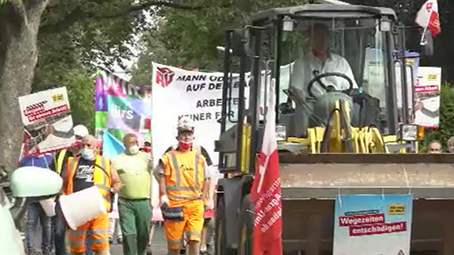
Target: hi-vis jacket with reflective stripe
{"points": [[184, 174], [58, 162], [101, 177]]}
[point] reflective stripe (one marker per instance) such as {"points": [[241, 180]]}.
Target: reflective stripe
{"points": [[78, 232], [184, 197], [177, 186], [174, 160], [193, 233], [174, 243], [196, 171], [71, 165], [174, 188], [59, 163], [99, 231], [99, 240], [76, 243]]}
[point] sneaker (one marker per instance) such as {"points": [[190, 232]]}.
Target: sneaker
{"points": [[110, 240], [119, 240]]}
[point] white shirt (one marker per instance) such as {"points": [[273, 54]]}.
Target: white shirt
{"points": [[303, 72]]}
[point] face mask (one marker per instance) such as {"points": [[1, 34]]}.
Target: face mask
{"points": [[184, 145], [87, 154], [134, 149], [146, 149]]}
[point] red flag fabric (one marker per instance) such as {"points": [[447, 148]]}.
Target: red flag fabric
{"points": [[428, 17], [266, 190]]}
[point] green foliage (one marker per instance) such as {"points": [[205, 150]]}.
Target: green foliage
{"points": [[189, 38], [80, 88], [446, 127]]}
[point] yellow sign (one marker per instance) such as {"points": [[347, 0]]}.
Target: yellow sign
{"points": [[396, 209], [57, 97], [432, 77]]}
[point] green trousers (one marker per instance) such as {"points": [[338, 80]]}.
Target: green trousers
{"points": [[135, 223]]}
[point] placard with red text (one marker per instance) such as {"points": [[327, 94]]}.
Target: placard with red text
{"points": [[47, 120], [372, 224]]}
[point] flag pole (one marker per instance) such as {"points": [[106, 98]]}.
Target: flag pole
{"points": [[423, 41]]}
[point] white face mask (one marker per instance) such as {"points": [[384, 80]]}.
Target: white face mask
{"points": [[88, 154], [134, 149]]}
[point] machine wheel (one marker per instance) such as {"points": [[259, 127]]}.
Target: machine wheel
{"points": [[220, 247], [246, 225]]}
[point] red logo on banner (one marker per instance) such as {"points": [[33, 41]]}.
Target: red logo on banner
{"points": [[164, 76]]}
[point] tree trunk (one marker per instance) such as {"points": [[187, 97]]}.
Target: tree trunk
{"points": [[19, 29]]}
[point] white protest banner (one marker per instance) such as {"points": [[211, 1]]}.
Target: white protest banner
{"points": [[47, 122], [177, 93], [427, 97]]}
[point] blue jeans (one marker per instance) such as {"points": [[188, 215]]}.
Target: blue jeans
{"points": [[59, 226], [35, 214]]}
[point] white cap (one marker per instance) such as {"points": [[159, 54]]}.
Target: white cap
{"points": [[80, 130], [185, 124]]}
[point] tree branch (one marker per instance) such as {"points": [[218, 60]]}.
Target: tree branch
{"points": [[79, 15]]}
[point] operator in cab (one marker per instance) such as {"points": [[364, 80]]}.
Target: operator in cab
{"points": [[320, 60]]}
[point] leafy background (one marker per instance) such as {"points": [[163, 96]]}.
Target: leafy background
{"points": [[78, 35]]}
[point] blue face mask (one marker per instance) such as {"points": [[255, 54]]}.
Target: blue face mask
{"points": [[88, 154]]}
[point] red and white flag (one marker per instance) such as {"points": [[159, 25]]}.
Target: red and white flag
{"points": [[428, 17], [266, 190]]}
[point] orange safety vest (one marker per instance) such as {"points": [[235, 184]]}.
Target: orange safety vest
{"points": [[101, 177], [184, 174]]}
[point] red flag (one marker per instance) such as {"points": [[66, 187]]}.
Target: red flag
{"points": [[428, 17], [266, 191]]}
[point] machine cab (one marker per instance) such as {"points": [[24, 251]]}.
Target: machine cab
{"points": [[315, 55]]}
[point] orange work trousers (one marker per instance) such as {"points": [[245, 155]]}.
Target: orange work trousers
{"points": [[192, 225], [99, 227]]}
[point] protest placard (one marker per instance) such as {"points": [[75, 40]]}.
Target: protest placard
{"points": [[47, 120], [427, 97], [372, 224]]}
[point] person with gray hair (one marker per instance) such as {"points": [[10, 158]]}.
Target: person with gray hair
{"points": [[134, 169], [450, 144]]}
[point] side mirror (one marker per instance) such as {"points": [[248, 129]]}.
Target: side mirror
{"points": [[30, 184], [35, 182]]}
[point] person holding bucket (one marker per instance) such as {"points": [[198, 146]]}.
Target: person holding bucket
{"points": [[134, 206], [59, 163], [83, 172], [184, 186]]}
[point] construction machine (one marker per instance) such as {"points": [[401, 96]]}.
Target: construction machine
{"points": [[332, 139]]}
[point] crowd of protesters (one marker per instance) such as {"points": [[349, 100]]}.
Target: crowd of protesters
{"points": [[127, 196]]}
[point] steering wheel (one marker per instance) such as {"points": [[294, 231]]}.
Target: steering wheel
{"points": [[318, 78]]}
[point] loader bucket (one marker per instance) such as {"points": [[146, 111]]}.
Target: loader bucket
{"points": [[311, 182]]}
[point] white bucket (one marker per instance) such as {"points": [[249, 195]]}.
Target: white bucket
{"points": [[80, 207], [48, 206]]}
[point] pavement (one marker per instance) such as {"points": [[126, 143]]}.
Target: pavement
{"points": [[158, 244]]}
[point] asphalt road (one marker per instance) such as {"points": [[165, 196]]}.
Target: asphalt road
{"points": [[159, 243]]}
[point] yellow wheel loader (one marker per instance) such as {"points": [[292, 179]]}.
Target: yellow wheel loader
{"points": [[343, 121]]}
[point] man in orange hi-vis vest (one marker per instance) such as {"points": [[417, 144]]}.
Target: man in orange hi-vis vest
{"points": [[184, 181], [85, 171]]}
